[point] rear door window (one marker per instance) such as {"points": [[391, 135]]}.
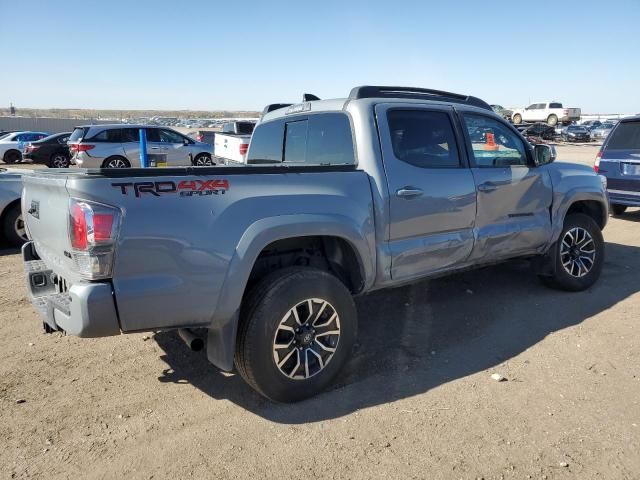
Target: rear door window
{"points": [[626, 136], [153, 135], [130, 135], [423, 138]]}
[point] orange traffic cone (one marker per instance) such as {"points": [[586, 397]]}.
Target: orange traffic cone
{"points": [[491, 142]]}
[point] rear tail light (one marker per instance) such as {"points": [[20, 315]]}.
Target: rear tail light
{"points": [[565, 111], [243, 148], [596, 164], [93, 231], [80, 147], [31, 148]]}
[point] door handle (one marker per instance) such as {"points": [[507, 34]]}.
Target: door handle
{"points": [[409, 192], [487, 187], [155, 148]]}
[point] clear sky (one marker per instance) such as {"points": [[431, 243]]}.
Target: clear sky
{"points": [[206, 55]]}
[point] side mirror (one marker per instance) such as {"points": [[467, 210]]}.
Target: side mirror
{"points": [[186, 142], [543, 154]]}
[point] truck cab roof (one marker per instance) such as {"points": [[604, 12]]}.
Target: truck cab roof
{"points": [[371, 95]]}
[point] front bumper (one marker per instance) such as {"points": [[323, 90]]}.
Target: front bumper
{"points": [[85, 309]]}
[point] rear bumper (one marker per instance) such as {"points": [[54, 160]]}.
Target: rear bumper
{"points": [[83, 309], [622, 197]]}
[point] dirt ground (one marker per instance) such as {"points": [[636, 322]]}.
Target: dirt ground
{"points": [[416, 401]]}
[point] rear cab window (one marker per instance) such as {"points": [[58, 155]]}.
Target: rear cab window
{"points": [[319, 139]]}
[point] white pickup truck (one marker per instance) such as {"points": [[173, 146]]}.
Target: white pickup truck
{"points": [[549, 112], [232, 143]]}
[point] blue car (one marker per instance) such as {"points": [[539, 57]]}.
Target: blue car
{"points": [[619, 161]]}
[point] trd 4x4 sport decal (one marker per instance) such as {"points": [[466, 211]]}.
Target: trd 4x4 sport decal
{"points": [[184, 188]]}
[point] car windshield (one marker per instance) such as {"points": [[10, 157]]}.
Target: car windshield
{"points": [[575, 128], [606, 125]]}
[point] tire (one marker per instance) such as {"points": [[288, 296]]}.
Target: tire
{"points": [[573, 278], [59, 160], [517, 119], [203, 159], [267, 318], [12, 156], [552, 120], [116, 162], [617, 209], [13, 226]]}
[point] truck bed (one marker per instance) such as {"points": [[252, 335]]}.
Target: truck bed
{"points": [[183, 228]]}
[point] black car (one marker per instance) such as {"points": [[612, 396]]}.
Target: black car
{"points": [[52, 151], [576, 133], [539, 130]]}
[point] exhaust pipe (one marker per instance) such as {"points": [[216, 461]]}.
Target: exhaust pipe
{"points": [[194, 342]]}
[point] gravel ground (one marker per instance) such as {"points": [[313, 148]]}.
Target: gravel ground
{"points": [[416, 401]]}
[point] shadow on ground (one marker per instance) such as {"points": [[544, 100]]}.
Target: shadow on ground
{"points": [[415, 338]]}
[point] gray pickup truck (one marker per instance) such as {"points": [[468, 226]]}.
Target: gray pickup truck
{"points": [[338, 198]]}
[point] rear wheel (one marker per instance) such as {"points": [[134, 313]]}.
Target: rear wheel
{"points": [[203, 159], [12, 156], [116, 162], [297, 330], [517, 119], [552, 120], [13, 226], [59, 160], [578, 255], [617, 209]]}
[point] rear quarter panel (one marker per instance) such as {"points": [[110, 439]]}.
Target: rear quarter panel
{"points": [[184, 260]]}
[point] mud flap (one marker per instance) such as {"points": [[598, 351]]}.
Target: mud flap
{"points": [[221, 343]]}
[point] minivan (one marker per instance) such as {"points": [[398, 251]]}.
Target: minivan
{"points": [[118, 146]]}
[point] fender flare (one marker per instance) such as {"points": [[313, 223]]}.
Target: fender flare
{"points": [[578, 194], [221, 338]]}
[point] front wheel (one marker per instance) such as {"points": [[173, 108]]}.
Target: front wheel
{"points": [[517, 119], [617, 209], [578, 255], [297, 330]]}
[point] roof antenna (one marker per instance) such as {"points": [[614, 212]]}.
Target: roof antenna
{"points": [[309, 97]]}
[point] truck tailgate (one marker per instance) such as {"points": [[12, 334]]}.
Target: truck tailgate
{"points": [[573, 112], [46, 205]]}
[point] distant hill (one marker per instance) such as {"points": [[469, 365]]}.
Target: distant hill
{"points": [[86, 114]]}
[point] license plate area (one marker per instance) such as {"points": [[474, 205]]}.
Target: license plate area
{"points": [[632, 169]]}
